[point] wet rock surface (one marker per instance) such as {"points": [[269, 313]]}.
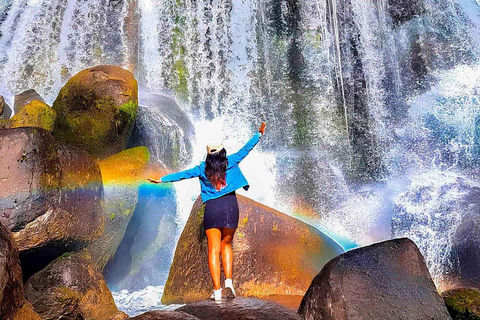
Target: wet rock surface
{"points": [[5, 111], [273, 253], [165, 129], [96, 110], [387, 280], [239, 309], [71, 288]]}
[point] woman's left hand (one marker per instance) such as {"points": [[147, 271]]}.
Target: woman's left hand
{"points": [[155, 181]]}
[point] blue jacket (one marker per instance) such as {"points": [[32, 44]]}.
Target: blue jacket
{"points": [[234, 176]]}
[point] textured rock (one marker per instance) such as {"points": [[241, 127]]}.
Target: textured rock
{"points": [[96, 110], [165, 129], [121, 174], [463, 304], [387, 280], [24, 98], [404, 10], [13, 304], [30, 174], [70, 288], [273, 254], [239, 309], [50, 196], [164, 315], [34, 114], [5, 111]]}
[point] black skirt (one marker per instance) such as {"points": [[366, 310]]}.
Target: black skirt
{"points": [[221, 212]]}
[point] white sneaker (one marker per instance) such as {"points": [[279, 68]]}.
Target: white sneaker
{"points": [[229, 291], [216, 295]]}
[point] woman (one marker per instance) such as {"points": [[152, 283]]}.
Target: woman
{"points": [[219, 177]]}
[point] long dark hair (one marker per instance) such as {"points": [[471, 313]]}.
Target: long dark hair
{"points": [[216, 167]]}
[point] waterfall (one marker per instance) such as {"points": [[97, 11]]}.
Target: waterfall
{"points": [[365, 101]]}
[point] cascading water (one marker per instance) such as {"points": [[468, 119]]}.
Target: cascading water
{"points": [[372, 106]]}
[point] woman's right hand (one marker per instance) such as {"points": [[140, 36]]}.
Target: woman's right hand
{"points": [[262, 128], [155, 181]]}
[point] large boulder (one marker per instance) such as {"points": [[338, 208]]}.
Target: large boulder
{"points": [[24, 98], [274, 254], [239, 309], [5, 111], [13, 304], [165, 129], [34, 114], [71, 288], [96, 110], [122, 174], [462, 303], [51, 198], [387, 280], [164, 315], [145, 253]]}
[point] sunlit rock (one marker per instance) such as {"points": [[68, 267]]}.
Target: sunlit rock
{"points": [[71, 288], [24, 98], [96, 110], [34, 114], [274, 254], [165, 315], [387, 280], [463, 303]]}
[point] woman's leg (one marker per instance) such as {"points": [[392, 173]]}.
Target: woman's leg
{"points": [[227, 254], [214, 237]]}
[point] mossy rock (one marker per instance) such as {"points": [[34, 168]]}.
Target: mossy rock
{"points": [[463, 304], [96, 110], [35, 114]]}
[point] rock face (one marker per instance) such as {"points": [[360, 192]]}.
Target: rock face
{"points": [[387, 280], [51, 198], [273, 254], [5, 111], [165, 129], [96, 110], [30, 174], [121, 174], [70, 288], [404, 10], [239, 309], [165, 315], [13, 304], [463, 304], [24, 98], [34, 114], [145, 253]]}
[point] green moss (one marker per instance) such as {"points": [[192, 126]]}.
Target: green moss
{"points": [[65, 255], [129, 110], [180, 72], [112, 216], [35, 114], [243, 222], [463, 304]]}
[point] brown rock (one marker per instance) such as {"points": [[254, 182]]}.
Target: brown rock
{"points": [[71, 288], [5, 111], [13, 304], [387, 280], [30, 174], [239, 309], [273, 254], [164, 315], [463, 303], [96, 110], [50, 196], [24, 98]]}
